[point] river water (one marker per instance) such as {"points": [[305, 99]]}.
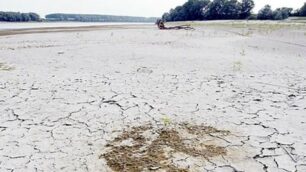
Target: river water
{"points": [[27, 25]]}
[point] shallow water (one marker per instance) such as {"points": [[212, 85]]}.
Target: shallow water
{"points": [[26, 25]]}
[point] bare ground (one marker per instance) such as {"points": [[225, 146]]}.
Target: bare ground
{"points": [[72, 95]]}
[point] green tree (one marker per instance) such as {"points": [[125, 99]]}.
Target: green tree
{"points": [[265, 13], [191, 10], [34, 17], [246, 8], [231, 10], [213, 10], [18, 17], [295, 13], [286, 12], [302, 11], [166, 16], [25, 17], [223, 9], [277, 15]]}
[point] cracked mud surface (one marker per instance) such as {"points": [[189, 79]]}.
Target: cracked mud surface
{"points": [[71, 94]]}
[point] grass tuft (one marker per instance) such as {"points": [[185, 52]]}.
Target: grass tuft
{"points": [[5, 67]]}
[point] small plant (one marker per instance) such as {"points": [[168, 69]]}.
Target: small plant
{"points": [[166, 120], [237, 66], [5, 67], [242, 53]]}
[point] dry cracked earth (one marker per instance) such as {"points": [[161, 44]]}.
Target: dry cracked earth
{"points": [[65, 98]]}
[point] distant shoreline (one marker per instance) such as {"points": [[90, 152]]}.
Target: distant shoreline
{"points": [[72, 28], [7, 26], [44, 27]]}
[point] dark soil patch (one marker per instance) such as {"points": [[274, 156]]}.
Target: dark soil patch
{"points": [[147, 148]]}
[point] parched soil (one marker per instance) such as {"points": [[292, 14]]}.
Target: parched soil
{"points": [[66, 93]]}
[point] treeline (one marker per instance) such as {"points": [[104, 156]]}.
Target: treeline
{"points": [[26, 17], [18, 17], [266, 13], [210, 10], [300, 12], [227, 9], [96, 18]]}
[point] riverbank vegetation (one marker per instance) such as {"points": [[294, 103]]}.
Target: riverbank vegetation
{"points": [[96, 18], [228, 9], [18, 17]]}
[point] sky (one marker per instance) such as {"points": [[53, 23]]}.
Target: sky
{"points": [[146, 8]]}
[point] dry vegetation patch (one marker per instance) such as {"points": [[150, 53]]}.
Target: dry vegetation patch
{"points": [[148, 148], [5, 67]]}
